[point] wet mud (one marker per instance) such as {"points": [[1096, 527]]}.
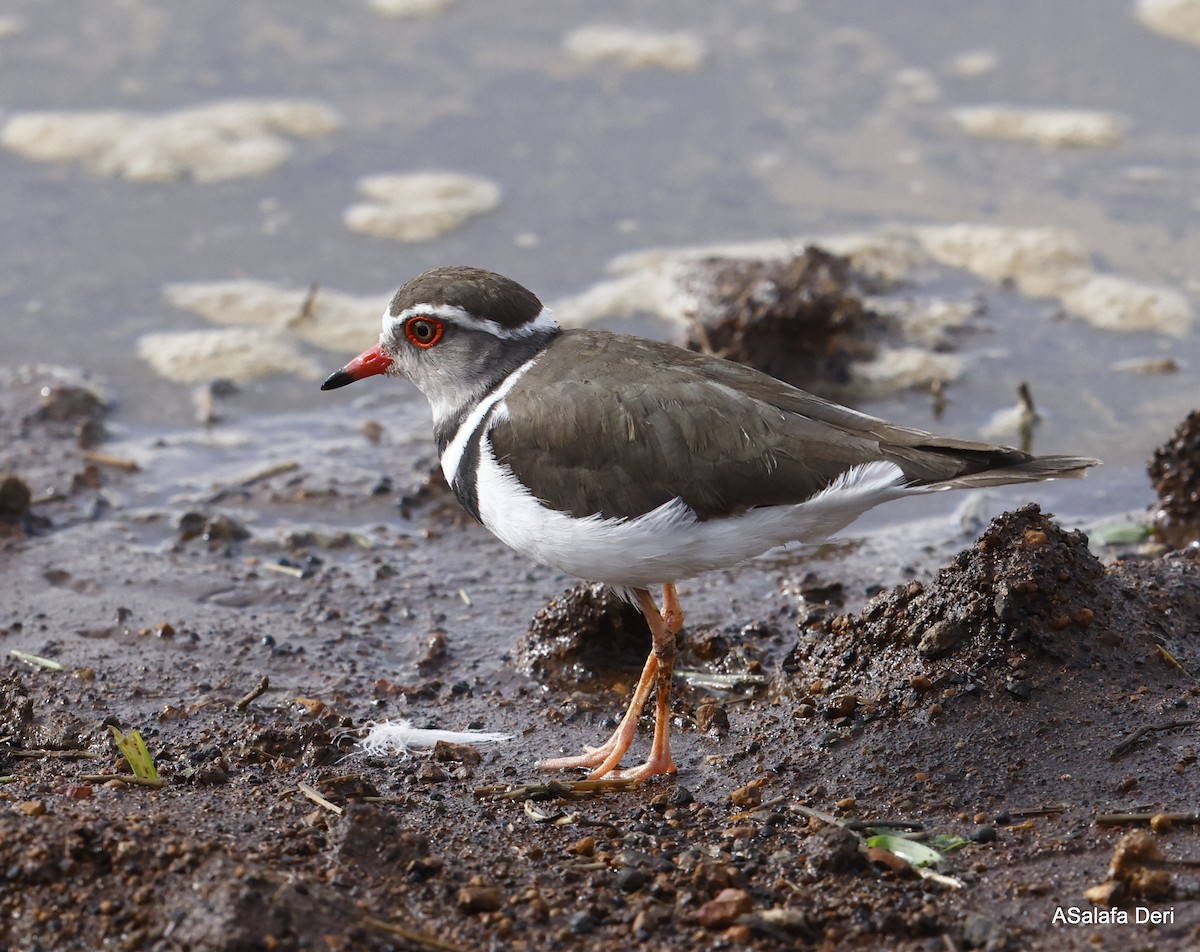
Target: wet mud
{"points": [[1031, 699]]}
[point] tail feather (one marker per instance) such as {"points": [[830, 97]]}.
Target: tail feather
{"points": [[1031, 469]]}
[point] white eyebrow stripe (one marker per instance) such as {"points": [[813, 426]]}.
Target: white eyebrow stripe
{"points": [[457, 315]]}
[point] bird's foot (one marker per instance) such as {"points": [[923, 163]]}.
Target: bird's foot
{"points": [[600, 760], [656, 766]]}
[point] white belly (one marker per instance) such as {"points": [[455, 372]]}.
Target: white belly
{"points": [[670, 542]]}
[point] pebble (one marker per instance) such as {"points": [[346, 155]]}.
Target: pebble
{"points": [[725, 908], [750, 795], [479, 899], [582, 923], [832, 850], [631, 879], [584, 847]]}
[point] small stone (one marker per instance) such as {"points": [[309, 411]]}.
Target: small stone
{"points": [[979, 931], [877, 856], [457, 753], [1106, 893], [750, 795], [680, 797], [725, 908], [985, 833], [940, 638], [479, 899], [710, 716], [631, 880], [832, 849], [1019, 689], [32, 807], [582, 923], [1160, 823], [15, 498], [584, 847], [920, 682]]}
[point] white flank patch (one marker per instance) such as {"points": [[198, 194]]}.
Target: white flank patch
{"points": [[458, 445], [670, 542], [457, 315], [400, 737]]}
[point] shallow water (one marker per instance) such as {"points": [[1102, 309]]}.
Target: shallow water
{"points": [[802, 119]]}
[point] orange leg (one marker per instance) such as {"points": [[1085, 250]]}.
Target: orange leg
{"points": [[664, 626]]}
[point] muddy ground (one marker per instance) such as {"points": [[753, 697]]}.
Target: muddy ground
{"points": [[1012, 698]]}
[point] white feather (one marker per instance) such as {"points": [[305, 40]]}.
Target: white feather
{"points": [[399, 737]]}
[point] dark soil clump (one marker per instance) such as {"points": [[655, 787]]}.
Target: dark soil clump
{"points": [[801, 320], [1175, 473]]}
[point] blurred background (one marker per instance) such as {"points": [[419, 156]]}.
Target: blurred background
{"points": [[150, 146]]}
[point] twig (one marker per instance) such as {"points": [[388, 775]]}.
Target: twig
{"points": [[554, 788], [124, 778], [315, 796], [428, 941], [884, 825], [1145, 729], [254, 693], [1110, 819], [249, 481], [1038, 811], [69, 754], [306, 308], [106, 459], [282, 569]]}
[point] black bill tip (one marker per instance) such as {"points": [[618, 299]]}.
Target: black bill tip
{"points": [[339, 378]]}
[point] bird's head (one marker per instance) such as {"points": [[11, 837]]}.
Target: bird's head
{"points": [[455, 333]]}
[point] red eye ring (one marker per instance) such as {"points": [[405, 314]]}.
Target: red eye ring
{"points": [[424, 332]]}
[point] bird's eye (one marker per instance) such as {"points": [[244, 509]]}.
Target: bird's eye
{"points": [[424, 332]]}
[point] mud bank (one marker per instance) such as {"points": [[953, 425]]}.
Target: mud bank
{"points": [[1013, 700]]}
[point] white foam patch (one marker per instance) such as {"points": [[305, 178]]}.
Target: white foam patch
{"points": [[332, 320], [904, 368], [235, 353], [636, 49], [208, 143], [400, 737], [11, 26], [1053, 262], [1050, 128], [420, 206], [1178, 19], [973, 63], [410, 8]]}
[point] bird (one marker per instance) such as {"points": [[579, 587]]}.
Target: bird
{"points": [[637, 464]]}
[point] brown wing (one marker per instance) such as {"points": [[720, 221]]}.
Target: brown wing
{"points": [[624, 425]]}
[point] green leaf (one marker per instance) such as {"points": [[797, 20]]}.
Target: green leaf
{"points": [[134, 748], [36, 659], [947, 842], [916, 853]]}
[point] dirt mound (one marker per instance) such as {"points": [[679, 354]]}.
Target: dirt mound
{"points": [[1175, 473], [801, 320]]}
